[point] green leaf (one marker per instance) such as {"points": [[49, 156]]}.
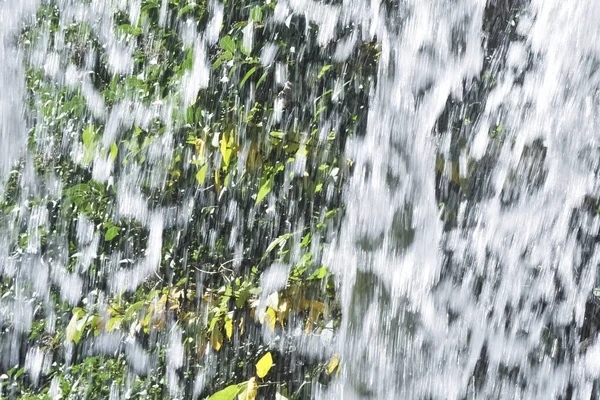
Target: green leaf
{"points": [[89, 142], [79, 331], [111, 233], [248, 74], [265, 189], [323, 70], [187, 8], [133, 309], [319, 111], [228, 393], [114, 323], [242, 296], [71, 328], [331, 213], [226, 56], [19, 373], [78, 193], [189, 115], [280, 241], [245, 50], [318, 274], [306, 240], [256, 14], [261, 79], [201, 175], [227, 44], [88, 136], [114, 152], [264, 365]]}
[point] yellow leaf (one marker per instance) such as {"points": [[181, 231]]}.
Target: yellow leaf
{"points": [[264, 365], [333, 363], [271, 318], [225, 152], [201, 174], [228, 328], [216, 339], [199, 143]]}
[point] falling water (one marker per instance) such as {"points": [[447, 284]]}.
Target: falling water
{"points": [[493, 304], [465, 259]]}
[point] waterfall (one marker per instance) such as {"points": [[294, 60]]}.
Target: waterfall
{"points": [[390, 199]]}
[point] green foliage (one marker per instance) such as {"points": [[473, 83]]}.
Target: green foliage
{"points": [[229, 147]]}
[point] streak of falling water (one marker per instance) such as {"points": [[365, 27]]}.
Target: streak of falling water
{"points": [[12, 140], [12, 125]]}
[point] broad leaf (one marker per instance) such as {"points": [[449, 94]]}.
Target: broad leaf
{"points": [[270, 319], [227, 43], [318, 274], [228, 328], [228, 393], [114, 152], [201, 174], [264, 365], [256, 14], [111, 233], [333, 363], [265, 189], [187, 8], [71, 328], [250, 390]]}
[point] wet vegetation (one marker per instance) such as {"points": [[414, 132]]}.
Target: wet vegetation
{"points": [[164, 232], [182, 199]]}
